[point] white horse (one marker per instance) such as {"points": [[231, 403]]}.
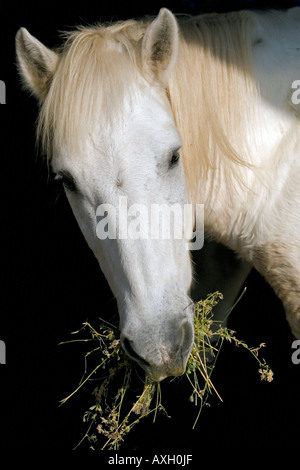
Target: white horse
{"points": [[201, 110]]}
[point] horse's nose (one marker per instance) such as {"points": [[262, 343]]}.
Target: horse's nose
{"points": [[126, 344], [158, 357]]}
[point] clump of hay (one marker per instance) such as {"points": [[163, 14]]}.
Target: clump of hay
{"points": [[109, 419]]}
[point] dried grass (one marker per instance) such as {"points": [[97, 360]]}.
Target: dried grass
{"points": [[110, 419]]}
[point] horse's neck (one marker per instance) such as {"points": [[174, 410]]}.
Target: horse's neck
{"points": [[229, 125]]}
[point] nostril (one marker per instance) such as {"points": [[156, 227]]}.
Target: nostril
{"points": [[131, 352], [188, 337]]}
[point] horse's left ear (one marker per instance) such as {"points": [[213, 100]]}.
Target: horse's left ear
{"points": [[160, 47], [37, 64]]}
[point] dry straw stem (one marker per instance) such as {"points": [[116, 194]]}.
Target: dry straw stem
{"points": [[109, 416], [209, 338]]}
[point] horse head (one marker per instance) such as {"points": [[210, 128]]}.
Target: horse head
{"points": [[109, 132]]}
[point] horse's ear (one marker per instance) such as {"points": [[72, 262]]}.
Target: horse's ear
{"points": [[37, 64], [160, 46]]}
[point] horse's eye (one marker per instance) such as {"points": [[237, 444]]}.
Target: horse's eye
{"points": [[174, 159], [67, 180]]}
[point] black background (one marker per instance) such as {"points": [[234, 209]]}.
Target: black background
{"points": [[51, 283]]}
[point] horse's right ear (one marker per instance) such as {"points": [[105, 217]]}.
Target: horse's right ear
{"points": [[160, 47], [37, 64]]}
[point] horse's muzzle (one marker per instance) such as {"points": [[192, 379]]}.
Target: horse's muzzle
{"points": [[161, 359]]}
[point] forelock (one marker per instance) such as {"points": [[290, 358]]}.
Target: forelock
{"points": [[98, 67]]}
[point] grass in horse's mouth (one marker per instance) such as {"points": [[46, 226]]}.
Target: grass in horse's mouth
{"points": [[110, 418]]}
